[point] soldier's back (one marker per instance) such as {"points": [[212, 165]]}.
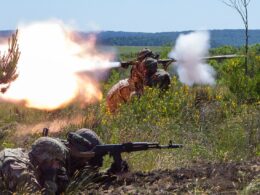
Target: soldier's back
{"points": [[161, 79], [119, 93]]}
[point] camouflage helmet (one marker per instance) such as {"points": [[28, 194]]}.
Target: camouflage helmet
{"points": [[94, 139], [47, 149], [90, 136], [144, 53]]}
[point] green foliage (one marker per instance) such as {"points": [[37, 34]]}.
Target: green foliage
{"points": [[252, 188], [218, 38], [255, 49], [85, 180], [224, 50], [8, 64], [130, 52], [246, 88], [219, 123], [208, 120]]}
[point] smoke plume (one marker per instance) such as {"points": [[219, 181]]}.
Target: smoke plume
{"points": [[189, 51]]}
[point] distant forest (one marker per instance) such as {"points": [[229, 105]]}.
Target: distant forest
{"points": [[218, 38]]}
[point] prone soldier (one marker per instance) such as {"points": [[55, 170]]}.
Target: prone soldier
{"points": [[79, 147], [41, 170], [90, 150], [16, 172], [50, 158], [49, 165]]}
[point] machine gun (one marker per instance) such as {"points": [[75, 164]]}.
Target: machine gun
{"points": [[115, 150], [166, 62]]}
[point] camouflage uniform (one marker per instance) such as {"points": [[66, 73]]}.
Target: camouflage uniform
{"points": [[120, 93], [144, 72], [160, 79], [124, 90], [16, 172], [50, 155]]}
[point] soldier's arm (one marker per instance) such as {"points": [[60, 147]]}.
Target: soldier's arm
{"points": [[50, 186], [55, 181], [20, 179]]}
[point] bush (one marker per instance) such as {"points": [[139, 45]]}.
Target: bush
{"points": [[246, 88], [207, 120]]}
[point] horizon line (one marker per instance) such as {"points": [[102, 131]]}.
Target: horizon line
{"points": [[99, 31]]}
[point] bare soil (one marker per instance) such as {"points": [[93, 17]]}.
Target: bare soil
{"points": [[199, 178]]}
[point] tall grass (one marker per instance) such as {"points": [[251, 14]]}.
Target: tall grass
{"points": [[214, 123], [207, 120]]}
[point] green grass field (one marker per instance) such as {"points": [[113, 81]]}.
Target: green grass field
{"points": [[215, 123]]}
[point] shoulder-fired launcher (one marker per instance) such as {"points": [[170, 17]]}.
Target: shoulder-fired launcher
{"points": [[166, 62]]}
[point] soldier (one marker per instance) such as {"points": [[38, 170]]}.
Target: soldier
{"points": [[42, 168], [80, 145], [147, 64], [124, 90], [49, 156], [16, 172], [144, 72]]}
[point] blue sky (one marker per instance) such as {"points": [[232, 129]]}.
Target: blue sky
{"points": [[129, 15]]}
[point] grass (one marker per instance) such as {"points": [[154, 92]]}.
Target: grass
{"points": [[212, 127], [212, 122]]}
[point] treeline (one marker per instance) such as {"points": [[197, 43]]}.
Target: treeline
{"points": [[218, 38]]}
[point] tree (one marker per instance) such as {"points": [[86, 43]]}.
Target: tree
{"points": [[8, 63], [241, 6]]}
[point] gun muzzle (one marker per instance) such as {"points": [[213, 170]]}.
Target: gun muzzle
{"points": [[126, 64]]}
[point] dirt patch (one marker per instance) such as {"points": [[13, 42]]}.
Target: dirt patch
{"points": [[216, 178]]}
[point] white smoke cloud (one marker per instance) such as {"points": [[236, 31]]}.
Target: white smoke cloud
{"points": [[190, 49]]}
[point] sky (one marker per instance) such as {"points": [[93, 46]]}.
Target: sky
{"points": [[128, 15]]}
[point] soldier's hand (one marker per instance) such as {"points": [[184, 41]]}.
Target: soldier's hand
{"points": [[124, 64], [49, 174], [118, 168]]}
